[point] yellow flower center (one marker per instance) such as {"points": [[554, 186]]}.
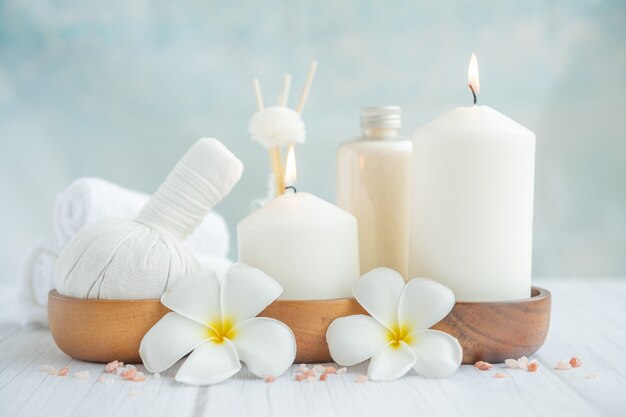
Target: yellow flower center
{"points": [[218, 331], [399, 333]]}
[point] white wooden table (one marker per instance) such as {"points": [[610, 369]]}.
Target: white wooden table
{"points": [[588, 320]]}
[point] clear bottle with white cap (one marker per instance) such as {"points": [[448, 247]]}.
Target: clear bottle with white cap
{"points": [[373, 175]]}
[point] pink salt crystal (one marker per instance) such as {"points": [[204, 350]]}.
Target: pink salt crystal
{"points": [[129, 372], [63, 371], [361, 378], [511, 363], [310, 378], [575, 362], [563, 366], [300, 377], [533, 366], [318, 369], [83, 375], [138, 377], [270, 379], [483, 366], [523, 363], [330, 370], [324, 377], [112, 366], [499, 375], [303, 367], [342, 371], [101, 378], [308, 373]]}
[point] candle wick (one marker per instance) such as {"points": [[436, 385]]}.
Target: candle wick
{"points": [[473, 93], [292, 188]]}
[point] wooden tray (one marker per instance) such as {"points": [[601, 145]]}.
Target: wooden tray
{"points": [[107, 330]]}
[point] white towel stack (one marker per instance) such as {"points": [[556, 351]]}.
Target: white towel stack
{"points": [[87, 201], [37, 281]]}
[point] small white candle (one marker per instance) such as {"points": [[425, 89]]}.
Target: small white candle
{"points": [[472, 203], [307, 244]]}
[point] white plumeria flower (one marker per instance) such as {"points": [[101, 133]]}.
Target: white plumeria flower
{"points": [[217, 323], [397, 336]]}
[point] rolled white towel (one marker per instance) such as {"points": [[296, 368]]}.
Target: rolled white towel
{"points": [[211, 238], [88, 200], [215, 264], [36, 282]]}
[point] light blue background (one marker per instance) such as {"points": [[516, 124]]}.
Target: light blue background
{"points": [[119, 89]]}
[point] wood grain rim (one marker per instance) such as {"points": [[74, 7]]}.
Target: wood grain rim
{"points": [[106, 330], [537, 294]]}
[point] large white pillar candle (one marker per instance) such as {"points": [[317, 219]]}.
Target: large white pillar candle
{"points": [[305, 243], [472, 204]]}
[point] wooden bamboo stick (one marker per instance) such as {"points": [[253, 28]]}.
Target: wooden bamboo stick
{"points": [[274, 153], [257, 93], [307, 87], [278, 169], [284, 94]]}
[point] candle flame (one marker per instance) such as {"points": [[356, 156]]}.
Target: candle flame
{"points": [[291, 174], [472, 74]]}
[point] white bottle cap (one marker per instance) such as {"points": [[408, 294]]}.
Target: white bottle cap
{"points": [[384, 117]]}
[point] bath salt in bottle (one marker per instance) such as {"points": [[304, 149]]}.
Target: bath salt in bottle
{"points": [[373, 184]]}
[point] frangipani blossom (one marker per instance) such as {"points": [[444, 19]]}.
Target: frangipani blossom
{"points": [[217, 323], [397, 336]]}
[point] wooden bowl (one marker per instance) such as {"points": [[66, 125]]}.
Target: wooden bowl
{"points": [[101, 330], [107, 330], [499, 330]]}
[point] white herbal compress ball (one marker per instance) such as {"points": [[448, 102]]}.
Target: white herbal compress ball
{"points": [[277, 126], [121, 259]]}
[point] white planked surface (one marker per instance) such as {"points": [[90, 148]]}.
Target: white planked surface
{"points": [[588, 320]]}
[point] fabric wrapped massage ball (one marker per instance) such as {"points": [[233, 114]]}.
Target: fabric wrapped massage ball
{"points": [[121, 259]]}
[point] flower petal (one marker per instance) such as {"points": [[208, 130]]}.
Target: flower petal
{"points": [[170, 339], [378, 292], [423, 303], [391, 363], [266, 345], [196, 296], [210, 363], [246, 291], [437, 353], [353, 339]]}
